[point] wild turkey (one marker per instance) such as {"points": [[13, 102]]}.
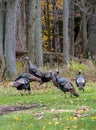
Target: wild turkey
{"points": [[23, 81], [33, 69], [46, 77], [22, 84], [29, 76], [80, 80], [63, 84]]}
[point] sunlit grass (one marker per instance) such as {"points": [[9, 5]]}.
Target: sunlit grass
{"points": [[58, 113], [50, 121]]}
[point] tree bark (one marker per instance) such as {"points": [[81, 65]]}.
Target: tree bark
{"points": [[30, 21], [2, 16], [21, 26], [84, 28], [38, 36], [65, 32], [72, 29], [56, 28], [48, 26], [91, 46], [10, 37]]}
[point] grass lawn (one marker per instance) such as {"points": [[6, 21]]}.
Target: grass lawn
{"points": [[56, 112]]}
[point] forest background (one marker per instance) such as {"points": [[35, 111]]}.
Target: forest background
{"points": [[48, 31]]}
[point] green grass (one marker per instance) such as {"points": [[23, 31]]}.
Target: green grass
{"points": [[58, 113]]}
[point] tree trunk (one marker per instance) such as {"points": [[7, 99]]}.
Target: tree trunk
{"points": [[20, 31], [1, 27], [72, 29], [10, 37], [38, 36], [84, 28], [65, 32], [2, 36], [1, 32], [56, 28], [48, 26], [30, 21], [45, 16], [78, 42], [92, 34]]}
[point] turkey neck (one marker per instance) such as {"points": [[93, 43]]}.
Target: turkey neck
{"points": [[54, 80], [29, 62]]}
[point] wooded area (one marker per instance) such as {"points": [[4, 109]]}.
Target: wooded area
{"points": [[47, 64], [45, 30]]}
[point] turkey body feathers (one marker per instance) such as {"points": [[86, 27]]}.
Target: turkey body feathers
{"points": [[80, 81], [34, 70], [22, 83], [29, 76], [46, 77], [64, 84]]}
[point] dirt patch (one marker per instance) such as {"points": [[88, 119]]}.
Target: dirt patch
{"points": [[8, 109], [58, 111]]}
